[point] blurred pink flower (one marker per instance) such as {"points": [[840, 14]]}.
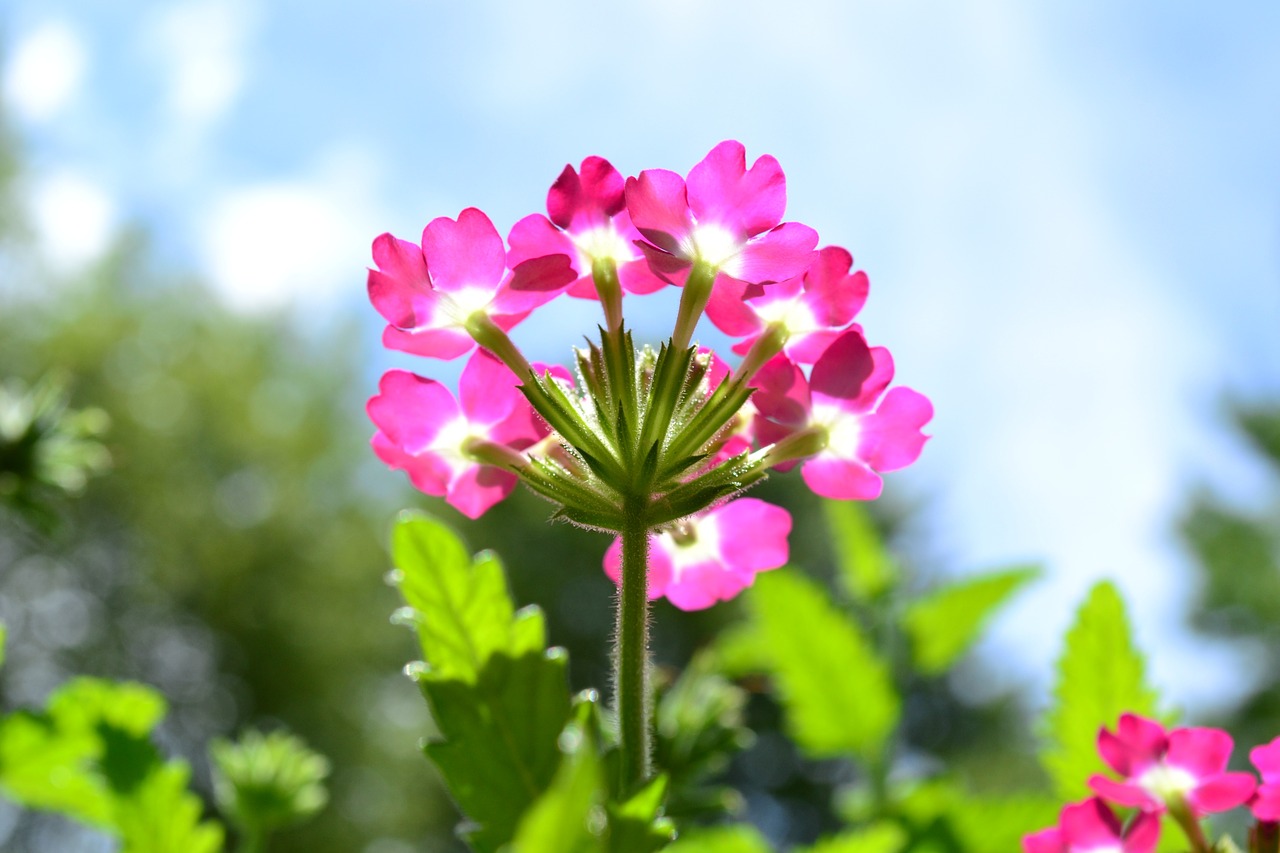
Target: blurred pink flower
{"points": [[1266, 802], [425, 432], [1162, 768], [1091, 827], [714, 556]]}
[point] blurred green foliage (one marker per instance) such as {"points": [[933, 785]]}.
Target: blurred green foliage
{"points": [[1237, 550]]}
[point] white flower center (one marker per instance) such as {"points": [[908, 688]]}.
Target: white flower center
{"points": [[700, 546], [844, 429], [459, 305], [792, 314], [1166, 783], [449, 441], [600, 242], [715, 246]]}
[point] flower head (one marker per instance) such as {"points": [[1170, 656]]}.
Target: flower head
{"points": [[861, 429], [713, 556], [724, 216], [1091, 827], [431, 295], [1182, 768], [448, 446]]}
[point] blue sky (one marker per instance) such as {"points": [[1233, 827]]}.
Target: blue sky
{"points": [[1069, 212]]}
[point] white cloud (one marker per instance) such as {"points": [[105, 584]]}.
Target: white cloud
{"points": [[45, 71], [74, 218], [204, 46], [298, 241]]}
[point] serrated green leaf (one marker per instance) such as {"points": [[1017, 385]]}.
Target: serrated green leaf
{"points": [[998, 824], [1100, 676], [637, 825], [162, 816], [722, 839], [462, 611], [44, 768], [499, 750], [865, 568], [89, 756], [882, 838], [943, 624], [570, 816], [837, 693]]}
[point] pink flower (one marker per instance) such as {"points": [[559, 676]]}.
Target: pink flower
{"points": [[1163, 769], [1091, 827], [862, 428], [429, 294], [809, 310], [725, 216], [435, 439], [713, 556], [588, 223], [1266, 802]]}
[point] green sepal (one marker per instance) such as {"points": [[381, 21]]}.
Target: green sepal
{"points": [[712, 417], [550, 401]]}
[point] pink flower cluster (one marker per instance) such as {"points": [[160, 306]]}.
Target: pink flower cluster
{"points": [[822, 397], [1180, 772]]}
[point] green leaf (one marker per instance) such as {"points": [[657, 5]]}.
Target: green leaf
{"points": [[1100, 676], [700, 726], [162, 816], [89, 756], [865, 567], [837, 693], [637, 825], [945, 623], [499, 749], [722, 839], [881, 838], [461, 610], [570, 816], [999, 823]]}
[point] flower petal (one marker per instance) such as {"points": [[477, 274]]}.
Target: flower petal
{"points": [[723, 190], [659, 208], [466, 253]]}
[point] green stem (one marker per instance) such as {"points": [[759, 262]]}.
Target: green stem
{"points": [[693, 301], [631, 677], [604, 273], [1181, 813], [489, 335]]}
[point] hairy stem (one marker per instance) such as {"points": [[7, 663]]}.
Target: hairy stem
{"points": [[631, 677]]}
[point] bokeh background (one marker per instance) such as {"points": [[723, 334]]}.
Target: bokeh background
{"points": [[1070, 215]]}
